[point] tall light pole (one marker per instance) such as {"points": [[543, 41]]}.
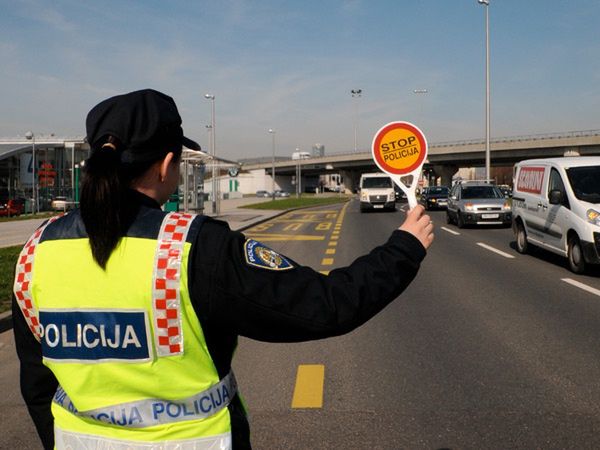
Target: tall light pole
{"points": [[272, 133], [215, 184], [356, 93], [420, 92], [30, 136], [486, 3]]}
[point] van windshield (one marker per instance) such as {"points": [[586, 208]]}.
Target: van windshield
{"points": [[377, 183], [585, 182]]}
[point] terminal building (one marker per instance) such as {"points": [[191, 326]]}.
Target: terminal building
{"points": [[54, 160]]}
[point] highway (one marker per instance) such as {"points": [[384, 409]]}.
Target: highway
{"points": [[486, 349]]}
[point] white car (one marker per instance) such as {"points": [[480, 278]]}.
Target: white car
{"points": [[62, 204]]}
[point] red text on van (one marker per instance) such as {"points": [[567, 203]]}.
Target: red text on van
{"points": [[530, 180]]}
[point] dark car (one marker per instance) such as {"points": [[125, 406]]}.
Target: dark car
{"points": [[435, 197], [400, 194]]}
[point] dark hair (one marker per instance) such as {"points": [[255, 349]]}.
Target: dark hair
{"points": [[106, 209]]}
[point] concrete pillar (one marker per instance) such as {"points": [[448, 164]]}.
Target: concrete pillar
{"points": [[350, 180], [446, 171]]}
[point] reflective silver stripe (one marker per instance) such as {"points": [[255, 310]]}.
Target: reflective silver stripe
{"points": [[151, 412], [166, 301], [23, 277], [64, 440]]}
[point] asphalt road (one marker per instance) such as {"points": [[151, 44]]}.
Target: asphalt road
{"points": [[483, 350]]}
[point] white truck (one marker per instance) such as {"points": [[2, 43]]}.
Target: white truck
{"points": [[377, 192]]}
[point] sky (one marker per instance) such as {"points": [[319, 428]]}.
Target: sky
{"points": [[290, 66]]}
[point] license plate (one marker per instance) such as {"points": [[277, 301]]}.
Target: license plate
{"points": [[377, 206], [489, 216]]}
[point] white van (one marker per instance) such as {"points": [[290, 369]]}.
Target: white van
{"points": [[377, 192], [556, 206]]}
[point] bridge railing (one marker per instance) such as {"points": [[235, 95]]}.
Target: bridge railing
{"points": [[530, 137]]}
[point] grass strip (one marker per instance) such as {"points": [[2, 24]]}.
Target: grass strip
{"points": [[301, 202], [8, 260]]}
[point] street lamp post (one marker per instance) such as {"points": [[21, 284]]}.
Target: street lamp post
{"points": [[213, 152], [30, 136], [486, 3], [272, 133], [356, 93]]}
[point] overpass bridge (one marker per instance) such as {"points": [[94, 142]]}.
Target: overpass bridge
{"points": [[445, 158]]}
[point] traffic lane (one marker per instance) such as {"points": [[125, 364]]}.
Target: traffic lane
{"points": [[479, 367], [503, 239], [267, 371], [536, 286]]}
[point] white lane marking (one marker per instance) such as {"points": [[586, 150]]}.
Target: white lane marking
{"points": [[495, 250], [455, 233], [585, 287]]}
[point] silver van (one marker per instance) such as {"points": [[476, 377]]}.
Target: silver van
{"points": [[556, 206]]}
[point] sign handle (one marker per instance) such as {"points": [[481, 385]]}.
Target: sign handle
{"points": [[410, 191]]}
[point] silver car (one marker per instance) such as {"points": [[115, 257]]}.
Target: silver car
{"points": [[477, 203]]}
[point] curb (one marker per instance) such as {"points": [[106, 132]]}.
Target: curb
{"points": [[6, 322]]}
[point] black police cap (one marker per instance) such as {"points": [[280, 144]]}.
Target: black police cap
{"points": [[146, 123]]}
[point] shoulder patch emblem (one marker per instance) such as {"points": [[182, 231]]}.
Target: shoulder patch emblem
{"points": [[258, 255]]}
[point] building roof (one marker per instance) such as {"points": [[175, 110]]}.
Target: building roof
{"points": [[14, 146]]}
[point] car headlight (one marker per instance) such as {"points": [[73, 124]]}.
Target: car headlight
{"points": [[506, 206], [593, 216], [392, 196], [433, 200], [469, 207], [364, 197]]}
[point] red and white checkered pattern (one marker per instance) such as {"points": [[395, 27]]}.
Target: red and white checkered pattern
{"points": [[23, 277], [165, 283]]}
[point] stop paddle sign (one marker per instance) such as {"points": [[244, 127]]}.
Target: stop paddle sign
{"points": [[400, 149]]}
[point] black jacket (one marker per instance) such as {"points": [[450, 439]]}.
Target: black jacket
{"points": [[232, 298]]}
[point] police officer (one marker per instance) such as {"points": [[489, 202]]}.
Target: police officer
{"points": [[126, 317]]}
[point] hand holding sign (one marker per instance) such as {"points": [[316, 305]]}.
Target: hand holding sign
{"points": [[399, 149]]}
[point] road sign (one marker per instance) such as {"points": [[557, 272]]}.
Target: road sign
{"points": [[400, 149]]}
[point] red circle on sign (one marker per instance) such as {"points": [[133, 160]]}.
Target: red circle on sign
{"points": [[383, 132]]}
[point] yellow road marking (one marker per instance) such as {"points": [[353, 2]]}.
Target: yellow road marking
{"points": [[327, 262], [324, 272], [316, 219], [332, 243], [308, 392], [334, 238], [286, 237], [330, 251], [294, 226]]}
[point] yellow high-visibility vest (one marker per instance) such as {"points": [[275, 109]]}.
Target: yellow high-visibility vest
{"points": [[124, 343]]}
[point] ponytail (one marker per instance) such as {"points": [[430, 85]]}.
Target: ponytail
{"points": [[105, 211]]}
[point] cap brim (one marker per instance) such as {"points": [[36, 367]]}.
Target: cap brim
{"points": [[192, 145]]}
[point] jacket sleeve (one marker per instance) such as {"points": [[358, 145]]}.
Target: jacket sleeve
{"points": [[38, 383], [299, 304]]}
